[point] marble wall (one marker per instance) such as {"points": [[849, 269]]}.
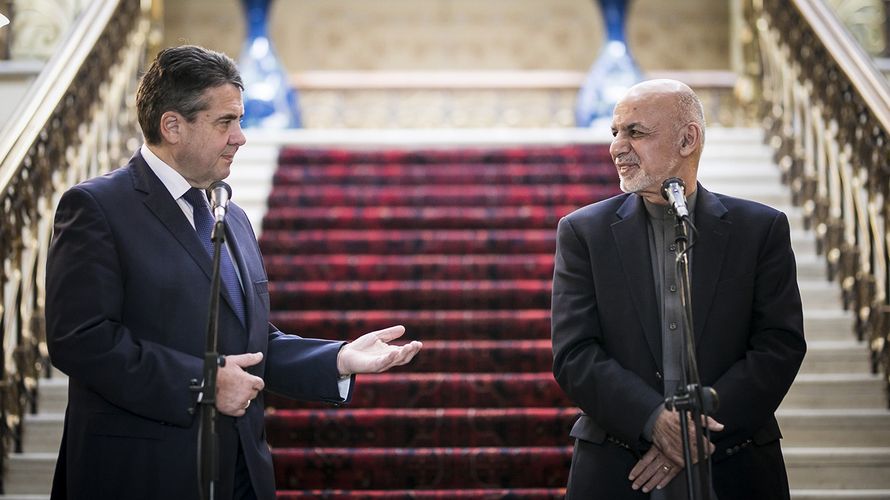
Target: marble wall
{"points": [[463, 35]]}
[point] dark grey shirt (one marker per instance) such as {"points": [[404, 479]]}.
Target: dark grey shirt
{"points": [[662, 224]]}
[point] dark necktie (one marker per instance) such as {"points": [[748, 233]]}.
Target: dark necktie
{"points": [[204, 225]]}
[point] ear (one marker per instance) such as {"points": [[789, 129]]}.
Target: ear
{"points": [[690, 139], [171, 123]]}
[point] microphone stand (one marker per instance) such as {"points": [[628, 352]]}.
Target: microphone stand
{"points": [[208, 438], [690, 395]]}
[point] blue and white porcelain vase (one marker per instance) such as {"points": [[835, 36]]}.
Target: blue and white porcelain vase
{"points": [[269, 100], [613, 72]]}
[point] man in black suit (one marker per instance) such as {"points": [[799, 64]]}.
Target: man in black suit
{"points": [[128, 285], [616, 316]]}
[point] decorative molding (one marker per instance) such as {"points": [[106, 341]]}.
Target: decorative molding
{"points": [[865, 19], [470, 99], [39, 26]]}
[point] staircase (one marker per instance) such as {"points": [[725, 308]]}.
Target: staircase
{"points": [[462, 255]]}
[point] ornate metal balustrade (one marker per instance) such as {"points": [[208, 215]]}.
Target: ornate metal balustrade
{"points": [[76, 121], [827, 112]]}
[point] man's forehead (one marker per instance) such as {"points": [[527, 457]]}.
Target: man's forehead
{"points": [[639, 111]]}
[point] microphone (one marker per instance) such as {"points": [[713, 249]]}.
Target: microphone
{"points": [[673, 190], [220, 192]]}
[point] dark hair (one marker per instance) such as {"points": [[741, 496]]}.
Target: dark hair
{"points": [[176, 81]]}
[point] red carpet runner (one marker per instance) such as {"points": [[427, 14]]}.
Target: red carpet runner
{"points": [[457, 245]]}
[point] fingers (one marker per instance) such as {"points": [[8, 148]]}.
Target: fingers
{"points": [[391, 333], [713, 425], [235, 388], [245, 360], [667, 436], [654, 470]]}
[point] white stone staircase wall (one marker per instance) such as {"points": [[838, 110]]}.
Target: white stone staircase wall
{"points": [[834, 419]]}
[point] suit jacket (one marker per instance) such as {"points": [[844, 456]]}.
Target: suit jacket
{"points": [[128, 285], [748, 329]]}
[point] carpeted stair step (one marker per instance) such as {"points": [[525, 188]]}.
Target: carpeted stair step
{"points": [[407, 174], [448, 390], [440, 217], [410, 241], [427, 294], [285, 267], [421, 325], [565, 154], [477, 494], [482, 356], [419, 427], [448, 195], [421, 468]]}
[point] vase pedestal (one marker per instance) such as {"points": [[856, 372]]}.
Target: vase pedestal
{"points": [[613, 72], [269, 99]]}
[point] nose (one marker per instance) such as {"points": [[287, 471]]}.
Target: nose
{"points": [[238, 138], [618, 146]]}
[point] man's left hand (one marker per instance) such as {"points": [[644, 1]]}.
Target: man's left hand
{"points": [[654, 470], [372, 353]]}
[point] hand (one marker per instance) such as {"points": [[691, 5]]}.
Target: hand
{"points": [[654, 470], [372, 353], [666, 436], [235, 388]]}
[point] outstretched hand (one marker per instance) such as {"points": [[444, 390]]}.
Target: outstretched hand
{"points": [[372, 352]]}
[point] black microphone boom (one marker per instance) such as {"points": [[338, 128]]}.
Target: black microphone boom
{"points": [[674, 190], [220, 193]]}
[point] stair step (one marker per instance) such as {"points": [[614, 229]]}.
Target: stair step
{"points": [[422, 468], [438, 494], [836, 356], [418, 427], [840, 494], [439, 217], [838, 468], [482, 356], [448, 390], [410, 241], [453, 194], [29, 473], [413, 174], [421, 325], [286, 267], [827, 323], [843, 427], [425, 294], [43, 432], [836, 391], [820, 294], [52, 396]]}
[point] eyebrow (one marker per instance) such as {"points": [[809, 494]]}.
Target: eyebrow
{"points": [[634, 126], [228, 116]]}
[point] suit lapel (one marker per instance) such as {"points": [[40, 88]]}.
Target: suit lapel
{"points": [[631, 237], [164, 207], [242, 240], [708, 255]]}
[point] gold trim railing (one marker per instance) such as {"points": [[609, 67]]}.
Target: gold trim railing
{"points": [[827, 113], [76, 121]]}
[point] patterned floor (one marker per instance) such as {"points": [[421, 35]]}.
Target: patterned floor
{"points": [[457, 245]]}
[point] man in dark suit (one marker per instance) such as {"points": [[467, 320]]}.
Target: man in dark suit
{"points": [[616, 317], [128, 285]]}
